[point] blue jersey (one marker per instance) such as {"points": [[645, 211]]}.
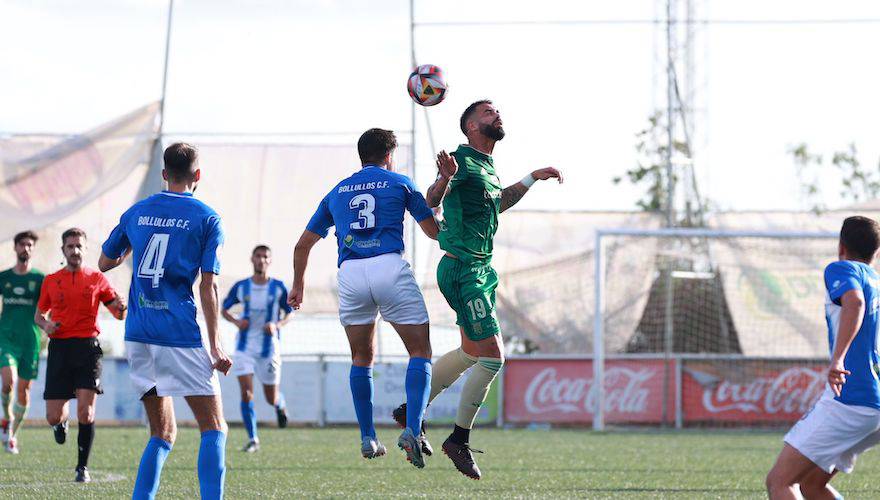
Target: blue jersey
{"points": [[862, 387], [367, 210], [261, 304], [172, 237]]}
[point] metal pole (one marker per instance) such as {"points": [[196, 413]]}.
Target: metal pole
{"points": [[412, 132], [598, 336], [670, 116], [679, 411], [165, 70]]}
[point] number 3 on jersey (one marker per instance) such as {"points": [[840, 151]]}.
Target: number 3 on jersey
{"points": [[366, 205], [152, 264]]}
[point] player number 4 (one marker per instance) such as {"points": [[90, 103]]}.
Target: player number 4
{"points": [[152, 264], [477, 308], [366, 205]]}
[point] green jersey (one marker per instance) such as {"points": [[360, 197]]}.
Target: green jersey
{"points": [[471, 207], [20, 294]]}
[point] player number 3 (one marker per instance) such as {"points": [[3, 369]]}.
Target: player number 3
{"points": [[366, 205], [153, 261]]}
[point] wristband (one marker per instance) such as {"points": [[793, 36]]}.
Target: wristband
{"points": [[528, 180]]}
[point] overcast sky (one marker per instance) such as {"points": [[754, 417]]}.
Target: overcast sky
{"points": [[572, 96]]}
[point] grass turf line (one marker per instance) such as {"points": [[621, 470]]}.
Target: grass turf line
{"points": [[321, 463]]}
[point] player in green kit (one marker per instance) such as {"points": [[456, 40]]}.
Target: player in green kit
{"points": [[472, 199], [19, 336]]}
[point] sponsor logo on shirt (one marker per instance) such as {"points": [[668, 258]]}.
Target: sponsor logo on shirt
{"points": [[17, 301], [19, 290], [348, 240], [145, 303], [374, 243], [32, 286]]}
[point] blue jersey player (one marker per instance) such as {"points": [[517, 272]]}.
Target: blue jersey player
{"points": [[264, 310], [368, 210], [845, 422], [173, 238]]}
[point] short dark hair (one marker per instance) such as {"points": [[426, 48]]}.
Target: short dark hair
{"points": [[260, 247], [74, 231], [25, 235], [180, 161], [375, 144], [468, 112], [861, 237]]}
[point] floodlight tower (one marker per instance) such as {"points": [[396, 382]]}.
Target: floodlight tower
{"points": [[680, 76]]}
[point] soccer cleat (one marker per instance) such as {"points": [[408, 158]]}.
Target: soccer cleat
{"points": [[60, 431], [251, 446], [282, 417], [399, 416], [82, 475], [12, 446], [413, 448], [371, 447], [4, 431], [462, 458]]}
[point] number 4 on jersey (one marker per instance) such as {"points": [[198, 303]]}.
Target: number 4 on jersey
{"points": [[152, 264]]}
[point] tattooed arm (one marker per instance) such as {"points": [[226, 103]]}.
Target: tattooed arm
{"points": [[511, 195]]}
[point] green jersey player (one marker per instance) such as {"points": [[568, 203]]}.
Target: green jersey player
{"points": [[19, 336], [472, 197]]}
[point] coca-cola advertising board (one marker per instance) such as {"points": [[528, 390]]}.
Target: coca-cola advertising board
{"points": [[750, 391], [562, 391]]}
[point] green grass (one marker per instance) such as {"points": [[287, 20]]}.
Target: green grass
{"points": [[321, 463]]}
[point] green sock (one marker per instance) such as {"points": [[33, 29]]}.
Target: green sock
{"points": [[19, 412], [475, 390], [447, 369], [6, 401]]}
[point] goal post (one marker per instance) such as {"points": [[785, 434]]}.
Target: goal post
{"points": [[744, 300]]}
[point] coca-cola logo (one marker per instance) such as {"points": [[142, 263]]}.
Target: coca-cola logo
{"points": [[624, 392], [792, 391]]}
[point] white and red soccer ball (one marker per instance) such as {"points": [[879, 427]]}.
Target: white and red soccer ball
{"points": [[426, 85]]}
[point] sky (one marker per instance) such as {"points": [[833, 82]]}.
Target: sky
{"points": [[572, 96]]}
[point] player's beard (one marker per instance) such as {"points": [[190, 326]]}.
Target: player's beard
{"points": [[492, 132], [23, 257]]}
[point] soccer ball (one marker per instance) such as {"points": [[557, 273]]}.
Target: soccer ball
{"points": [[426, 85]]}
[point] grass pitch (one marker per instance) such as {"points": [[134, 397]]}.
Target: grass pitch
{"points": [[322, 463]]}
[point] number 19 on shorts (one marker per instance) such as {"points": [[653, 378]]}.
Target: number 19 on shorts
{"points": [[477, 308], [152, 264]]}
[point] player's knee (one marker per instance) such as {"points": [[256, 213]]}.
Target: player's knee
{"points": [[6, 387], [53, 418], [247, 396], [24, 398], [167, 433], [85, 414], [775, 482]]}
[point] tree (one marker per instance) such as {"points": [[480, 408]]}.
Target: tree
{"points": [[857, 184]]}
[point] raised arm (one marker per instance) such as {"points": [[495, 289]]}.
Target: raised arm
{"points": [[210, 308], [511, 195], [300, 261], [446, 169], [852, 311]]}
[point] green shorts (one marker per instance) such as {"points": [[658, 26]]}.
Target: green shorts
{"points": [[470, 291], [27, 363]]}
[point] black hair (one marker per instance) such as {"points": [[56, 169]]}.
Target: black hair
{"points": [[180, 161], [468, 112], [861, 237], [375, 144]]}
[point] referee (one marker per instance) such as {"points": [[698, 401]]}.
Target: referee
{"points": [[68, 312]]}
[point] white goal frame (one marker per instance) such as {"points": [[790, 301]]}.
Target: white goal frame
{"points": [[599, 297]]}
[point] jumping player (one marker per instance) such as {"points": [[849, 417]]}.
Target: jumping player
{"points": [[68, 312], [264, 299], [472, 199], [19, 337], [172, 238], [845, 422], [367, 210]]}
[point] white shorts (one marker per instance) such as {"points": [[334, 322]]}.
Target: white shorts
{"points": [[832, 434], [384, 283], [268, 369], [173, 371]]}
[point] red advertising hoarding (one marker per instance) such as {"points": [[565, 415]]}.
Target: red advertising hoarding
{"points": [[722, 391], [750, 391], [562, 391]]}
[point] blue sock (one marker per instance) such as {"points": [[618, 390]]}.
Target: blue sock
{"points": [[418, 388], [250, 418], [150, 470], [361, 380], [212, 465]]}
